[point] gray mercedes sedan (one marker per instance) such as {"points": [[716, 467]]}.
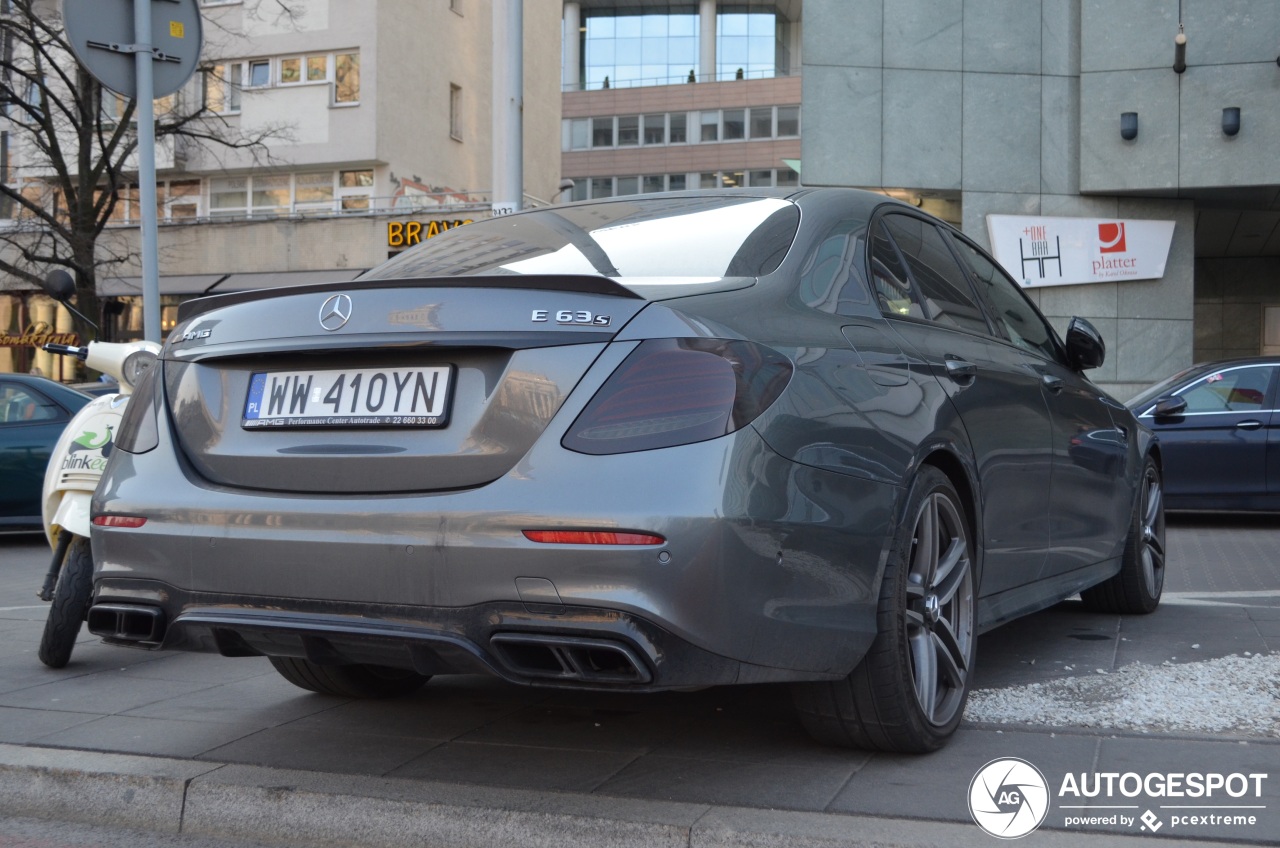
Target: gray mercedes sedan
{"points": [[652, 442]]}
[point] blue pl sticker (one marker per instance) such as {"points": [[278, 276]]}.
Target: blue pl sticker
{"points": [[253, 406]]}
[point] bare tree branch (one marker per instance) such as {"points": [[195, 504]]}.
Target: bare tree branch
{"points": [[73, 151]]}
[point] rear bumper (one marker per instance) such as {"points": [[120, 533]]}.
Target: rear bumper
{"points": [[770, 569], [578, 647]]}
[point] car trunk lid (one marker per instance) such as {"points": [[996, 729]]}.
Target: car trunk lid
{"points": [[404, 386]]}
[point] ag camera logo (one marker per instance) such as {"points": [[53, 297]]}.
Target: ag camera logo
{"points": [[1008, 798]]}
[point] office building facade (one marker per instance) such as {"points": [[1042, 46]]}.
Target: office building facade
{"points": [[1073, 109]]}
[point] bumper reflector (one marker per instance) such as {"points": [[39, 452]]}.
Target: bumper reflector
{"points": [[119, 520], [591, 537]]}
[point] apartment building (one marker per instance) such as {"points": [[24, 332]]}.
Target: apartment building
{"points": [[376, 118]]}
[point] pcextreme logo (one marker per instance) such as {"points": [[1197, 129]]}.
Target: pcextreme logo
{"points": [[1009, 798]]}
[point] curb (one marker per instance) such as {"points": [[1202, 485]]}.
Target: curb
{"points": [[296, 807]]}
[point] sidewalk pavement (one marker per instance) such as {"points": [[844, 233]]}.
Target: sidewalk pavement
{"points": [[207, 745]]}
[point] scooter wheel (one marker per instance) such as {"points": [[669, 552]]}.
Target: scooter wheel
{"points": [[70, 603]]}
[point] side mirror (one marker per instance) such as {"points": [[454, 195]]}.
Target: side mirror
{"points": [[59, 285], [1085, 348], [1170, 406]]}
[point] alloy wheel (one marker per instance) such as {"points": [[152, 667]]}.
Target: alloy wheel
{"points": [[940, 609], [1152, 552]]}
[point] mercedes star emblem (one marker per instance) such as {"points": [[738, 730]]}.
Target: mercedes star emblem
{"points": [[335, 312]]}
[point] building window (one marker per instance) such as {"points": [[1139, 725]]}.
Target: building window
{"points": [[655, 129], [710, 127], [735, 124], [228, 196], [638, 48], [259, 74], [579, 134], [759, 122], [628, 130], [788, 121], [751, 41], [455, 112], [602, 132], [602, 187], [291, 70], [355, 188], [222, 85], [678, 133], [271, 194], [314, 191], [346, 78], [181, 199], [762, 122]]}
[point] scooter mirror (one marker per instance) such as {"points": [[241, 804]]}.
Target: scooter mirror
{"points": [[59, 285]]}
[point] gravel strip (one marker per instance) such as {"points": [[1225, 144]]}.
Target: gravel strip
{"points": [[1235, 693]]}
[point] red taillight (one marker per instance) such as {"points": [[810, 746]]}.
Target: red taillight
{"points": [[119, 520], [677, 391], [591, 537]]}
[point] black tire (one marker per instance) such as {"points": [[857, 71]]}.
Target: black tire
{"points": [[349, 681], [908, 693], [71, 596], [1136, 589]]}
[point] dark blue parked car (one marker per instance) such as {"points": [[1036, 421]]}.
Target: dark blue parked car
{"points": [[1219, 434], [33, 411]]}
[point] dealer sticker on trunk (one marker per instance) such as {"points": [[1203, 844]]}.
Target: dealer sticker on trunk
{"points": [[365, 397]]}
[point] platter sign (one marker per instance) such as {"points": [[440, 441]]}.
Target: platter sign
{"points": [[1039, 251]]}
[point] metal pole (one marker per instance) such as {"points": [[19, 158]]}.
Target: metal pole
{"points": [[147, 169], [508, 106]]}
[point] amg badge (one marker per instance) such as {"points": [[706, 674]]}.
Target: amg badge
{"points": [[572, 316]]}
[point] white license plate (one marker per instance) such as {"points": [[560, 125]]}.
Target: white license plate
{"points": [[352, 397]]}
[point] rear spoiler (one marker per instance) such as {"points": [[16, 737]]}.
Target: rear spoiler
{"points": [[584, 283]]}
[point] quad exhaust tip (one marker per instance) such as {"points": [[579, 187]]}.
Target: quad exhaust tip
{"points": [[569, 658], [127, 622]]}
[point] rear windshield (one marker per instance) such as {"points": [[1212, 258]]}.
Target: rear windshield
{"points": [[701, 237]]}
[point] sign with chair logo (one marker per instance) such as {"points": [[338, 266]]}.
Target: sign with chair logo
{"points": [[1040, 251]]}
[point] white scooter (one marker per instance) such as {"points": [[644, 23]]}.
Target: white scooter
{"points": [[75, 467]]}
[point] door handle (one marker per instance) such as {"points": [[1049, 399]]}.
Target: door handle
{"points": [[960, 369], [1248, 425], [1052, 383]]}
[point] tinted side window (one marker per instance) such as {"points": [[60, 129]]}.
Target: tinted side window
{"points": [[1237, 390], [831, 278], [944, 289], [1015, 315], [19, 406], [889, 279]]}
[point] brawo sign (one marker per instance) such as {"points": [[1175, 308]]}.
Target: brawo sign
{"points": [[1064, 251]]}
